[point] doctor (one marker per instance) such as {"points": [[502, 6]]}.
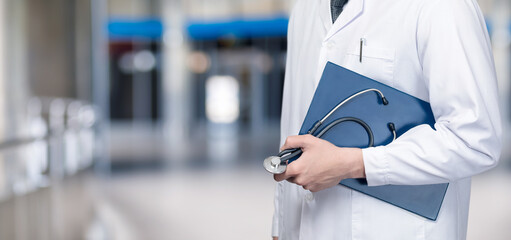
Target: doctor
{"points": [[436, 50]]}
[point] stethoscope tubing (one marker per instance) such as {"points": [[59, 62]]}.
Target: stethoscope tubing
{"points": [[289, 154], [285, 156]]}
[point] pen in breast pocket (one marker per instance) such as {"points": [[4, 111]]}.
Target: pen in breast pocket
{"points": [[362, 43]]}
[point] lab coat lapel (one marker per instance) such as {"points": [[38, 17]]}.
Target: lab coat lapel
{"points": [[351, 11], [325, 14]]}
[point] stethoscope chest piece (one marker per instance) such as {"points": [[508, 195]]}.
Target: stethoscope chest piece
{"points": [[273, 165]]}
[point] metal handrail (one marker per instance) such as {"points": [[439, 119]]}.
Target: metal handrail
{"points": [[9, 144], [13, 143]]}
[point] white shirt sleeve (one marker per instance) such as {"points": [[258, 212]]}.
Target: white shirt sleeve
{"points": [[458, 68]]}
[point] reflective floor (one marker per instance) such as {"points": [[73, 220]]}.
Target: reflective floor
{"points": [[233, 200], [222, 204]]}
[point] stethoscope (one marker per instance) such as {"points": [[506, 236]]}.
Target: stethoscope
{"points": [[278, 164]]}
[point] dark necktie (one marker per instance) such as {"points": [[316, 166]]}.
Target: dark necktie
{"points": [[336, 8]]}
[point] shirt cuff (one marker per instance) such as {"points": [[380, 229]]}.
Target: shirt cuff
{"points": [[376, 166]]}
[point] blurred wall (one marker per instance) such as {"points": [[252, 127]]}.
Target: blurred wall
{"points": [[201, 8], [13, 82], [133, 8], [50, 47], [83, 54], [2, 78], [205, 9], [58, 47], [2, 56]]}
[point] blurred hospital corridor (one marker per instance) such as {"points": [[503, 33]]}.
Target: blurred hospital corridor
{"points": [[150, 119]]}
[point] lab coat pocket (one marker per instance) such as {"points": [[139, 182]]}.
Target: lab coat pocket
{"points": [[376, 63]]}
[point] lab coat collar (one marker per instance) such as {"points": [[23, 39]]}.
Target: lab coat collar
{"points": [[352, 10], [325, 14]]}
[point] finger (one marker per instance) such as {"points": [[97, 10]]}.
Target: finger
{"points": [[280, 177], [317, 188], [300, 181], [291, 180], [283, 176], [300, 141], [292, 170]]}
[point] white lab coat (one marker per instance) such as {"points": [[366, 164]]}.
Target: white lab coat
{"points": [[436, 50]]}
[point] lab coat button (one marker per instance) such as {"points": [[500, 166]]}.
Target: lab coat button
{"points": [[309, 196], [330, 45]]}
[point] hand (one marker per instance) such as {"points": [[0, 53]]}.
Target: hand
{"points": [[275, 238], [322, 164]]}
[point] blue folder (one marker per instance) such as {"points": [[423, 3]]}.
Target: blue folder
{"points": [[405, 111]]}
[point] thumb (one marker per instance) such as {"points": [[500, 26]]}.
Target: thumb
{"points": [[300, 141]]}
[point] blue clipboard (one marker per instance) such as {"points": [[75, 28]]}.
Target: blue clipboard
{"points": [[405, 111]]}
